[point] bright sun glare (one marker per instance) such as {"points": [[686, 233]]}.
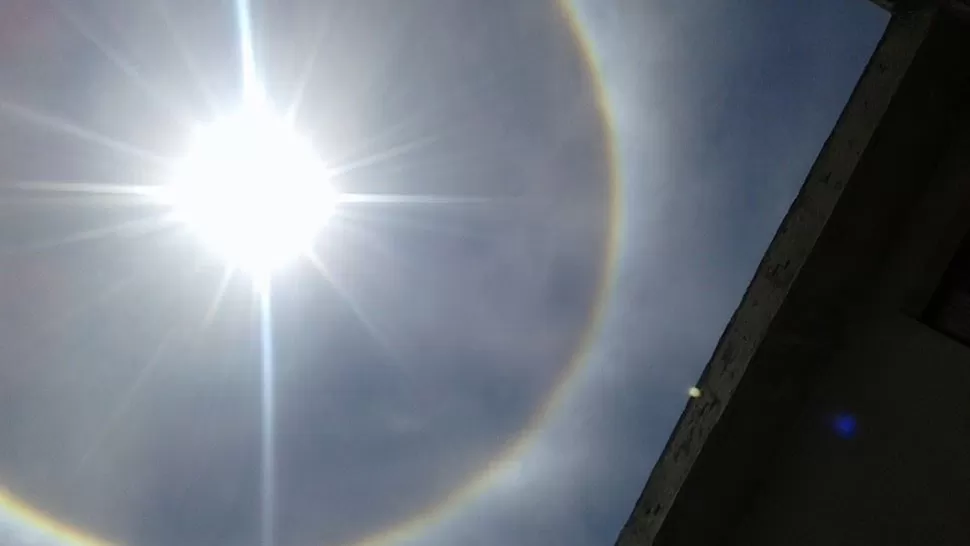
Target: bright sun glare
{"points": [[252, 189]]}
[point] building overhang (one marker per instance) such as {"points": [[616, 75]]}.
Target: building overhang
{"points": [[891, 132]]}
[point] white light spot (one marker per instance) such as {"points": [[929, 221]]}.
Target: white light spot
{"points": [[694, 392], [252, 189]]}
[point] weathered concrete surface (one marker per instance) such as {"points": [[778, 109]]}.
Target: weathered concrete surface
{"points": [[836, 235]]}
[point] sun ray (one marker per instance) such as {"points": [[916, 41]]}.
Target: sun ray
{"points": [[97, 188], [71, 129], [79, 194], [247, 53], [252, 95], [309, 65], [187, 58], [59, 323], [353, 211], [114, 291], [213, 310], [344, 294], [122, 63], [268, 452], [360, 220], [410, 199], [352, 226], [140, 226], [448, 106], [366, 143], [389, 145], [30, 202], [117, 415], [394, 152]]}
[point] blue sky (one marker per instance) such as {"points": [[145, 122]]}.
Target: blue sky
{"points": [[133, 412]]}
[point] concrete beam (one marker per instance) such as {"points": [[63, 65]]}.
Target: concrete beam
{"points": [[959, 8], [884, 4], [897, 6], [890, 134]]}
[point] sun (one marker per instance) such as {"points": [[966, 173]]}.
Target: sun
{"points": [[252, 189]]}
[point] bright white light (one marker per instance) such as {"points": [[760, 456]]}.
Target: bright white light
{"points": [[253, 189]]}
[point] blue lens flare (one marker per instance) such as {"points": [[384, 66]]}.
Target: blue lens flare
{"points": [[845, 425]]}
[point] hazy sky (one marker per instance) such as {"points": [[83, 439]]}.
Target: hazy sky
{"points": [[412, 386]]}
